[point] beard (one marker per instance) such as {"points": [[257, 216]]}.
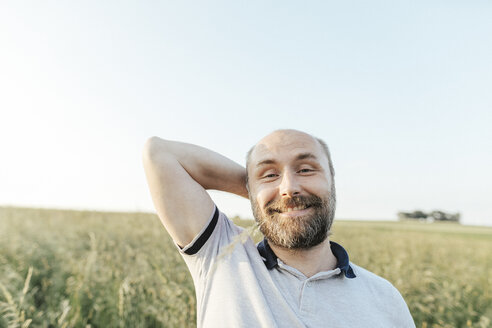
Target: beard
{"points": [[297, 232]]}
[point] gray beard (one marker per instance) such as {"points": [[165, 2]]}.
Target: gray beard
{"points": [[301, 232]]}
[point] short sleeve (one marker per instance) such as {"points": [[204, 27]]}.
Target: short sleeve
{"points": [[201, 253]]}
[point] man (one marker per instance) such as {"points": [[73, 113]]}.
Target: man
{"points": [[296, 277]]}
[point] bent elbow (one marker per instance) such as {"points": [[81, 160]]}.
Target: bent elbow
{"points": [[153, 147]]}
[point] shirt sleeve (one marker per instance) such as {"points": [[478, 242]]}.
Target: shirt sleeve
{"points": [[202, 253]]}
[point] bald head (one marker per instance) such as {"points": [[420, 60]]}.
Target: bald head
{"points": [[287, 137]]}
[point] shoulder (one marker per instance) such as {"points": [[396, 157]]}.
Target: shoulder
{"points": [[367, 275], [385, 296], [218, 230], [221, 244], [376, 284]]}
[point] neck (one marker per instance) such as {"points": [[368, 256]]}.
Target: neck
{"points": [[309, 261]]}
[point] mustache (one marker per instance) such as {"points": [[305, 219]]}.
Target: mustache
{"points": [[279, 206]]}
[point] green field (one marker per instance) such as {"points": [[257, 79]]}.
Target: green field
{"points": [[93, 269]]}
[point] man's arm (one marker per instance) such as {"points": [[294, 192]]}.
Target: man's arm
{"points": [[178, 175]]}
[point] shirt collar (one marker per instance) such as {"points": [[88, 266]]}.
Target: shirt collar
{"points": [[270, 259]]}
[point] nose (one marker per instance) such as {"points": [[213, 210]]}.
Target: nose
{"points": [[289, 185]]}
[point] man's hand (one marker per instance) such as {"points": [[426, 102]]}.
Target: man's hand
{"points": [[178, 175]]}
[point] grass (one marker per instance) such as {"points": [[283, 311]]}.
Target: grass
{"points": [[96, 269]]}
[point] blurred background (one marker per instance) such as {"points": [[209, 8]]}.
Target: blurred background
{"points": [[399, 90]]}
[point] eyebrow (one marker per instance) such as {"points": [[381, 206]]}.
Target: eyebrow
{"points": [[266, 162], [299, 157], [306, 156]]}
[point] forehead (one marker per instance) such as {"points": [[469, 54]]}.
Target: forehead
{"points": [[285, 145]]}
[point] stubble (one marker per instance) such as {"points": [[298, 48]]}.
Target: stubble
{"points": [[296, 232]]}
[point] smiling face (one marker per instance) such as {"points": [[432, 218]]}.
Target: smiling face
{"points": [[291, 189]]}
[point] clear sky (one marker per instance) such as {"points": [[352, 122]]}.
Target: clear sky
{"points": [[400, 90]]}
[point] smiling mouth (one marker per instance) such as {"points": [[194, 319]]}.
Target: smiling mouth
{"points": [[292, 209]]}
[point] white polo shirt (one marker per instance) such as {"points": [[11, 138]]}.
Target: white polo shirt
{"points": [[248, 286]]}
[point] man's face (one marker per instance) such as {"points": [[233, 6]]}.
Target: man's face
{"points": [[291, 190]]}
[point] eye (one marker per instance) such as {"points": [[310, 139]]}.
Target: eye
{"points": [[269, 175], [305, 171]]}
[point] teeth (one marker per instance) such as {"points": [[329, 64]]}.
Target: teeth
{"points": [[297, 208]]}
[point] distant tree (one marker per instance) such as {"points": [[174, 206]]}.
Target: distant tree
{"points": [[402, 215], [419, 215], [438, 215], [455, 217], [435, 215], [412, 215], [442, 216]]}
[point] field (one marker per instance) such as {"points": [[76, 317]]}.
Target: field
{"points": [[93, 269]]}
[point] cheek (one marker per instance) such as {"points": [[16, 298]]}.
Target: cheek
{"points": [[263, 196], [319, 186]]}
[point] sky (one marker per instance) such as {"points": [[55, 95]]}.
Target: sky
{"points": [[400, 91]]}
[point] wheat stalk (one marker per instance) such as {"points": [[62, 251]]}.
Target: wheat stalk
{"points": [[249, 232], [9, 309], [66, 308], [26, 285]]}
